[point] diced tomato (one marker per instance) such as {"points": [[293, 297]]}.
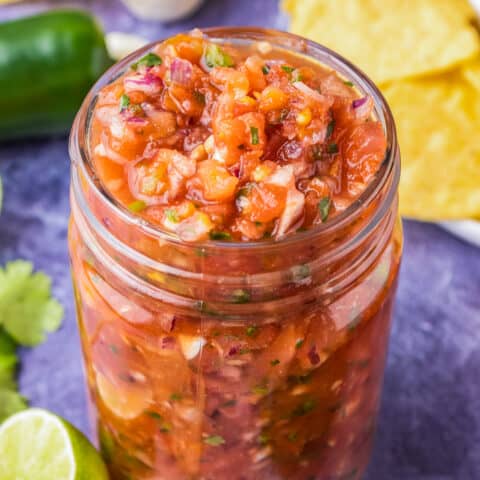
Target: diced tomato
{"points": [[264, 202], [217, 183]]}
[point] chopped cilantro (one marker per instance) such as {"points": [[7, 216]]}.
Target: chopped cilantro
{"points": [[299, 343], [304, 408], [27, 314], [275, 362], [124, 102], [199, 97], [260, 390], [252, 330], [244, 351], [300, 272], [265, 69], [172, 215], [332, 148], [324, 208], [149, 60], [263, 439], [287, 68], [254, 135], [165, 427], [217, 235], [348, 83], [154, 415], [176, 396], [113, 349], [214, 56], [297, 76], [214, 440], [330, 128], [137, 206], [292, 436], [240, 296]]}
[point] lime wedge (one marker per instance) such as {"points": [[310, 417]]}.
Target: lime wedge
{"points": [[37, 445]]}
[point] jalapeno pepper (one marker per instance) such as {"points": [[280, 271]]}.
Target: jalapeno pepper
{"points": [[48, 62]]}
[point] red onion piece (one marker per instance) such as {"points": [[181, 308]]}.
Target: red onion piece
{"points": [[359, 102], [143, 82], [313, 356], [181, 71], [168, 343]]}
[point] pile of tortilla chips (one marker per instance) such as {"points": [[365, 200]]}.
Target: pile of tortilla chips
{"points": [[425, 56]]}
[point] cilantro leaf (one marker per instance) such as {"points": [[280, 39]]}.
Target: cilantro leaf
{"points": [[27, 311], [214, 56]]}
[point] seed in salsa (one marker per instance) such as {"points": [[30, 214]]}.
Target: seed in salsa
{"points": [[218, 142]]}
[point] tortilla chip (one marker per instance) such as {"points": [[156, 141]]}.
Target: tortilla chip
{"points": [[438, 122], [390, 39]]}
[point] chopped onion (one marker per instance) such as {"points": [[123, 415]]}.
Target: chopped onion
{"points": [[143, 82], [309, 92], [181, 71], [168, 343], [191, 346], [359, 102], [313, 356], [363, 108]]}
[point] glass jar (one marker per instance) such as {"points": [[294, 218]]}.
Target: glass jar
{"points": [[259, 360]]}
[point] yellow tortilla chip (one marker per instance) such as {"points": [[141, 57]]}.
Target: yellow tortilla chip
{"points": [[438, 124], [390, 39]]}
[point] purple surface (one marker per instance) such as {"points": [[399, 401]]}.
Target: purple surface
{"points": [[430, 422]]}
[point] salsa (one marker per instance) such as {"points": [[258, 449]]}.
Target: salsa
{"points": [[229, 143], [218, 342]]}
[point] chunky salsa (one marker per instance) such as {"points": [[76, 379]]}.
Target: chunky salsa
{"points": [[215, 360], [221, 142]]}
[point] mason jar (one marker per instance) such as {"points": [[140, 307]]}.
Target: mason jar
{"points": [[240, 361]]}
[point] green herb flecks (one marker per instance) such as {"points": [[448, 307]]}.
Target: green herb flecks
{"points": [[265, 69], [260, 389], [287, 68], [137, 206], [299, 343], [324, 208], [332, 148], [172, 215], [330, 128], [124, 102], [348, 83], [214, 440], [300, 273], [263, 439], [174, 397], [251, 331], [199, 97], [254, 136], [149, 60], [214, 56], [292, 437], [304, 408], [275, 362], [218, 235], [240, 296]]}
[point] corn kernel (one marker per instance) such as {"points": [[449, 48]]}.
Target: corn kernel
{"points": [[248, 101], [304, 117], [209, 144], [261, 172], [257, 95]]}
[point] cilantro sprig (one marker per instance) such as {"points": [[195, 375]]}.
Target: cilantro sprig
{"points": [[27, 314]]}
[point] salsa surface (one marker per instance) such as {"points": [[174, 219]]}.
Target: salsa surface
{"points": [[229, 143]]}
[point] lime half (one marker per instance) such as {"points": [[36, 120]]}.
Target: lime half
{"points": [[37, 445]]}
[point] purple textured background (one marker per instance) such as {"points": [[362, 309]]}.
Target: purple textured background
{"points": [[430, 421]]}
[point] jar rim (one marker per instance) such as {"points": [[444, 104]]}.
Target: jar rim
{"points": [[389, 169]]}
